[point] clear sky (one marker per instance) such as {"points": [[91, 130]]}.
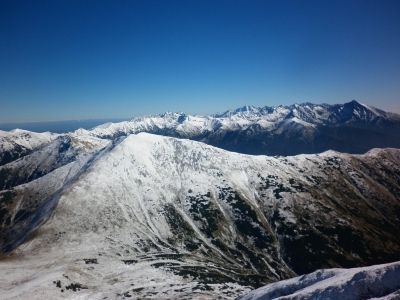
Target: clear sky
{"points": [[81, 59]]}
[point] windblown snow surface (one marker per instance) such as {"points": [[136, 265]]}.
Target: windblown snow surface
{"points": [[153, 217], [375, 282]]}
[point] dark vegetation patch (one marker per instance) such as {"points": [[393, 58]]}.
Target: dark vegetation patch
{"points": [[6, 198], [204, 211], [206, 275], [182, 231], [90, 261], [334, 162], [307, 249], [229, 251], [18, 152], [312, 243], [246, 219], [280, 189], [271, 181], [267, 182], [298, 186], [171, 256], [312, 251], [57, 283], [3, 214], [75, 287], [317, 179], [165, 264], [203, 287], [254, 257], [129, 261]]}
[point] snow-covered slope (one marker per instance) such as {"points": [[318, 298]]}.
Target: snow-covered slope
{"points": [[308, 128], [164, 218], [18, 143], [61, 151], [375, 282]]}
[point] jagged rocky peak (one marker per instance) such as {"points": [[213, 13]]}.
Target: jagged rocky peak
{"points": [[169, 114], [247, 109]]}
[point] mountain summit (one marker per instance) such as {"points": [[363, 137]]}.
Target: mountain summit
{"points": [[158, 217]]}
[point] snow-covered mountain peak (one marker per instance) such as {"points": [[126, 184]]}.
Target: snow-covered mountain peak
{"points": [[18, 142], [149, 216], [247, 108]]}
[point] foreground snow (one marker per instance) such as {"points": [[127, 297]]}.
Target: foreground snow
{"points": [[375, 282]]}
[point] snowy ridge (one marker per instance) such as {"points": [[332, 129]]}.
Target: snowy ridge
{"points": [[309, 128], [241, 118], [18, 142], [375, 282], [24, 138]]}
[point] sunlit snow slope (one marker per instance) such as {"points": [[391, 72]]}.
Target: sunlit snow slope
{"points": [[156, 217], [17, 143], [380, 282]]}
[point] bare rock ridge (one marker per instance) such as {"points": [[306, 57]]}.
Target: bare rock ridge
{"points": [[159, 217]]}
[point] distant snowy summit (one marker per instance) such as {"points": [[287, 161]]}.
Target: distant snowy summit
{"points": [[308, 128]]}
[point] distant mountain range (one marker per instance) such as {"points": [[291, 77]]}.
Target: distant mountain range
{"points": [[284, 130], [118, 212]]}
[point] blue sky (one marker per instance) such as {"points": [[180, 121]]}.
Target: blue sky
{"points": [[81, 59]]}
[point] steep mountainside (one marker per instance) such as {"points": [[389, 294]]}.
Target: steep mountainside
{"points": [[284, 130], [157, 217], [18, 143]]}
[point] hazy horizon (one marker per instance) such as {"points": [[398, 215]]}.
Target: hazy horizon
{"points": [[63, 126]]}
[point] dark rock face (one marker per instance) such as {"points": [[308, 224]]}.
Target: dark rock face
{"points": [[14, 154], [53, 156]]}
